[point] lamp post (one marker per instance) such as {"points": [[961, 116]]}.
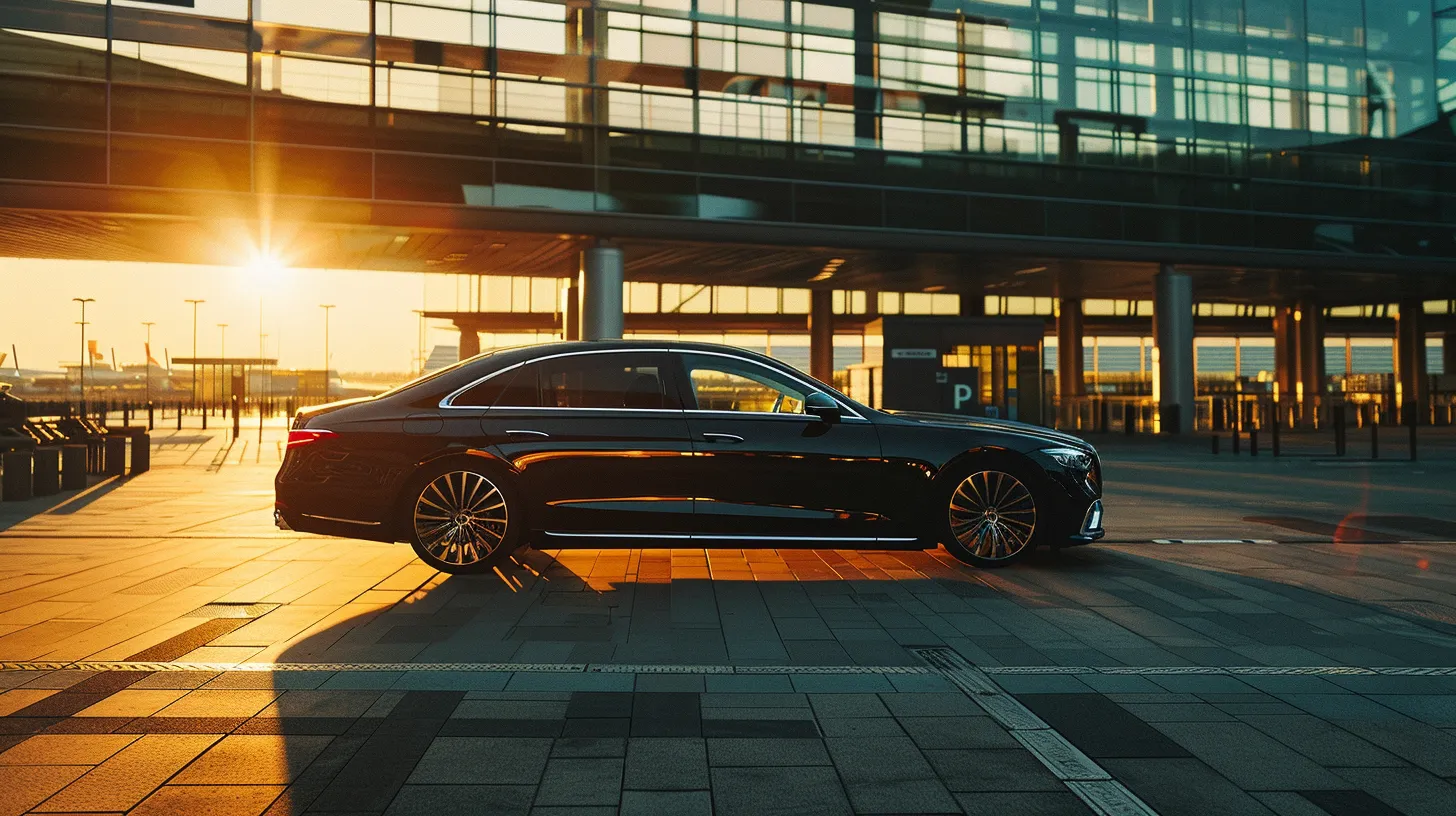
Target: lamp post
{"points": [[326, 307], [222, 356], [148, 349], [81, 372], [196, 393]]}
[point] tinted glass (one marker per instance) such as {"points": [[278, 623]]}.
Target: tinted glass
{"points": [[729, 384], [614, 380]]}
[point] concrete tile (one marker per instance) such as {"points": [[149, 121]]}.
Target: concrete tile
{"points": [[1182, 785], [22, 788], [956, 732], [666, 803], [840, 683], [66, 749], [17, 699], [847, 705], [1324, 743], [1249, 758], [589, 747], [130, 775], [888, 775], [1004, 770], [133, 703], [212, 800], [1063, 803], [253, 760], [756, 791], [751, 752], [581, 782], [220, 703], [434, 800], [1408, 790], [312, 703], [666, 764], [749, 683], [861, 727], [482, 761]]}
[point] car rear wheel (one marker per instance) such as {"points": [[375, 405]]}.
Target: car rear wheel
{"points": [[462, 521], [991, 514]]}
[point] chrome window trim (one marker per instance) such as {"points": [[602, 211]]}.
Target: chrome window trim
{"points": [[448, 402], [813, 387]]}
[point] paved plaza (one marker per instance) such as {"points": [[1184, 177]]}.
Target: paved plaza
{"points": [[1257, 636]]}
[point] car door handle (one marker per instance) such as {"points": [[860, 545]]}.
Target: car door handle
{"points": [[722, 437], [525, 432]]}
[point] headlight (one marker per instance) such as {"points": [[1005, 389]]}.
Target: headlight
{"points": [[1073, 460]]}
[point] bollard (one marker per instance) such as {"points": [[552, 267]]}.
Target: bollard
{"points": [[1236, 441], [204, 419], [1374, 440], [1104, 416], [237, 418], [1129, 422], [15, 484], [141, 453], [1413, 438], [46, 480], [73, 467], [1339, 418], [1215, 444], [1274, 432], [1254, 442], [115, 455], [151, 417], [179, 417]]}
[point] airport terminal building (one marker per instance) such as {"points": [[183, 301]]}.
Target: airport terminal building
{"points": [[1274, 167]]}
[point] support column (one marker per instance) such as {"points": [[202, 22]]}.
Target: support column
{"points": [[572, 328], [1286, 355], [1410, 362], [1448, 352], [469, 342], [1173, 341], [973, 303], [1311, 361], [866, 102], [601, 293], [1071, 380], [821, 335]]}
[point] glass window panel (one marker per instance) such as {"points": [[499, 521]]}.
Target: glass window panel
{"points": [[346, 83], [229, 9], [176, 65], [34, 52], [726, 384], [341, 15], [431, 24], [730, 299], [618, 380]]}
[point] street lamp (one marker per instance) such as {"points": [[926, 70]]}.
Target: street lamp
{"points": [[148, 349], [222, 356], [196, 394], [81, 372], [326, 307]]}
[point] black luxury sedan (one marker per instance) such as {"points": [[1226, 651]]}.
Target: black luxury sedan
{"points": [[662, 444]]}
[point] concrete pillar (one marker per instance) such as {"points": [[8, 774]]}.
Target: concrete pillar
{"points": [[821, 335], [973, 303], [1311, 361], [1071, 380], [1410, 362], [469, 342], [1286, 354], [572, 328], [601, 293], [1448, 353], [1173, 340]]}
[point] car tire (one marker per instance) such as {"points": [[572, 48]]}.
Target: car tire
{"points": [[991, 511], [463, 519]]}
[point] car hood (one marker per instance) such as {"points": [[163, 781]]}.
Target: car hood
{"points": [[989, 424]]}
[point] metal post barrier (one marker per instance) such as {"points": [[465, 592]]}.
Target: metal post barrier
{"points": [[1104, 415], [1339, 418], [237, 418], [141, 453], [1254, 442], [1214, 437], [1129, 418], [1413, 437], [1274, 431], [1236, 441], [15, 484], [115, 456], [151, 417], [73, 467], [1374, 440], [179, 417], [204, 419]]}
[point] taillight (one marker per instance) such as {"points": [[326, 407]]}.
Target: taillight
{"points": [[297, 439]]}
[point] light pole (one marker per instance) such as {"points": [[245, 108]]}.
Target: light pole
{"points": [[148, 349], [222, 355], [81, 372], [196, 392], [326, 307]]}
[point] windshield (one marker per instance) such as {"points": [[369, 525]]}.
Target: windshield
{"points": [[440, 372]]}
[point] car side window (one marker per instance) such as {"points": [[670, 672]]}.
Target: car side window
{"points": [[728, 384], [516, 388]]}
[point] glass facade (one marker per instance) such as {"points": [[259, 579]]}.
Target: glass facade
{"points": [[1312, 125]]}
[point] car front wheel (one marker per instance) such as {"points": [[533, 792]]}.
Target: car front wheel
{"points": [[463, 521], [992, 517]]}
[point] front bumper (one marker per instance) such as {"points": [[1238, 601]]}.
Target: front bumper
{"points": [[1091, 528]]}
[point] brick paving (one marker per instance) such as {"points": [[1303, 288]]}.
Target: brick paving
{"points": [[1238, 678]]}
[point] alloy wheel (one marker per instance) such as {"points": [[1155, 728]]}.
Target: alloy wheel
{"points": [[993, 515], [460, 518]]}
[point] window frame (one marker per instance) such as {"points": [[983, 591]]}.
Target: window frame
{"points": [[669, 376]]}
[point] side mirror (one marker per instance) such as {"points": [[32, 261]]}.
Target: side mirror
{"points": [[822, 405]]}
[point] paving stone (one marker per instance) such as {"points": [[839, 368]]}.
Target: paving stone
{"points": [[1003, 770], [666, 764], [510, 710], [588, 704], [1289, 803], [24, 787], [253, 760], [931, 704], [749, 752], [132, 703], [840, 683], [597, 727], [777, 727], [666, 714], [758, 791], [1178, 712], [436, 800], [211, 800], [1249, 758], [1048, 803], [589, 747], [66, 749], [956, 732], [1408, 790], [888, 775], [1182, 785], [220, 703], [670, 682], [1326, 744], [1100, 727], [666, 803], [748, 683], [376, 772], [482, 761], [130, 775], [753, 700], [581, 782], [847, 705], [860, 727], [1348, 803]]}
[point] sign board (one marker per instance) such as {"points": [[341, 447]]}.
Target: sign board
{"points": [[914, 354]]}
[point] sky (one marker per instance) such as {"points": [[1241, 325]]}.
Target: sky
{"points": [[372, 328]]}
